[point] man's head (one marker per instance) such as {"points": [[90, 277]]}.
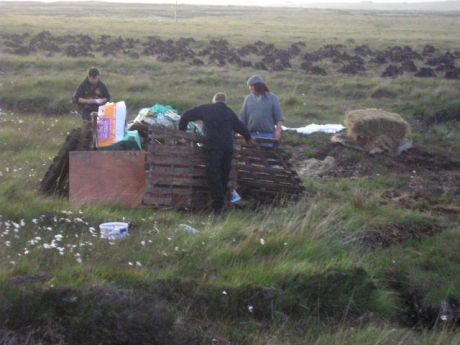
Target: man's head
{"points": [[257, 85], [93, 75], [219, 97]]}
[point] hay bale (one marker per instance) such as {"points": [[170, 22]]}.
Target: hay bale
{"points": [[376, 129]]}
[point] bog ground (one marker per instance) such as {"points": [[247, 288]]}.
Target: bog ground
{"points": [[369, 256]]}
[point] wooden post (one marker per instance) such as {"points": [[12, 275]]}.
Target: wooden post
{"points": [[175, 12]]}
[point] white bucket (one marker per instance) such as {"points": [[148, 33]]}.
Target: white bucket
{"points": [[114, 230]]}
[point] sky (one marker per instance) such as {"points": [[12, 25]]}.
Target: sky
{"points": [[289, 3], [224, 1]]}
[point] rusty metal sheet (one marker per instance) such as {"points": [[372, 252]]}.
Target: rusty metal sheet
{"points": [[107, 176]]}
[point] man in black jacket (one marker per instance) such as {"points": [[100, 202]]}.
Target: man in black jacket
{"points": [[220, 123], [91, 94]]}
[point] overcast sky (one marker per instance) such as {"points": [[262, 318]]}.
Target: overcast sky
{"points": [[290, 3], [229, 1]]}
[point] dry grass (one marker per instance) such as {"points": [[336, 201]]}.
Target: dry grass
{"points": [[373, 128]]}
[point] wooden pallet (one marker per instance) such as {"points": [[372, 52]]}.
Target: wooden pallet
{"points": [[265, 174], [176, 170]]}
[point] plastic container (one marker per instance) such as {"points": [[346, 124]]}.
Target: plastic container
{"points": [[235, 197], [188, 228], [114, 230]]}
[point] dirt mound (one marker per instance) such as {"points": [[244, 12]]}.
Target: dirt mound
{"points": [[316, 70], [99, 315], [392, 71], [383, 93], [398, 233], [428, 50], [260, 55], [453, 74], [352, 69], [425, 72], [431, 118], [364, 50], [409, 66]]}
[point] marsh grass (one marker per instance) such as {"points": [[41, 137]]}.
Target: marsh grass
{"points": [[300, 265]]}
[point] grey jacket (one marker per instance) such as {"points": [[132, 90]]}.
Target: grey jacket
{"points": [[261, 113]]}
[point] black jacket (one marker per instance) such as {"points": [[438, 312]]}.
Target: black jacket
{"points": [[220, 123], [88, 90]]}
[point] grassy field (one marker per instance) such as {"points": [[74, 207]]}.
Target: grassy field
{"points": [[346, 265]]}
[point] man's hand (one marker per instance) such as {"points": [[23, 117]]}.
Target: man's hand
{"points": [[279, 128], [278, 134]]}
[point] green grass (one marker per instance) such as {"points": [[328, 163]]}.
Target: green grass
{"points": [[303, 267]]}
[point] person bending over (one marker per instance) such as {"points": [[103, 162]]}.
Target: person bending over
{"points": [[220, 123]]}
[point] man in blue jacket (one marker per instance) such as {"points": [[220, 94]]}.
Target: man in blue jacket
{"points": [[220, 122], [90, 94]]}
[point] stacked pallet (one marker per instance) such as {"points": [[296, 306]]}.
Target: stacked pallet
{"points": [[265, 174], [176, 171]]}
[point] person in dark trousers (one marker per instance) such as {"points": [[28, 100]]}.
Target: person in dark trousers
{"points": [[91, 93], [220, 123]]}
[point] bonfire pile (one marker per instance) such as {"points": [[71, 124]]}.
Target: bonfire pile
{"points": [[175, 170]]}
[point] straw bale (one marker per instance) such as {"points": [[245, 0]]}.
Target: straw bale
{"points": [[377, 129]]}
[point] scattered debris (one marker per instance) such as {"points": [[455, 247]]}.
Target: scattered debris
{"points": [[189, 229], [316, 168]]}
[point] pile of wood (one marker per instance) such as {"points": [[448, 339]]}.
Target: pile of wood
{"points": [[176, 171], [265, 174], [56, 179]]}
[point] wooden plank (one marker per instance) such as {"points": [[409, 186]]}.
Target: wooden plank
{"points": [[168, 133], [178, 150], [177, 181], [177, 201], [183, 161], [107, 176], [277, 170], [192, 171]]}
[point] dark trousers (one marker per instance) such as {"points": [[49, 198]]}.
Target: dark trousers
{"points": [[218, 167]]}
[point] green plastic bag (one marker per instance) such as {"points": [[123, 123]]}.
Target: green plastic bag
{"points": [[131, 141]]}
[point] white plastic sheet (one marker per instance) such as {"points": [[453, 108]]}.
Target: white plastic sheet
{"points": [[312, 128]]}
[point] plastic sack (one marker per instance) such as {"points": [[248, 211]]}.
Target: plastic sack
{"points": [[131, 141], [111, 123], [164, 115]]}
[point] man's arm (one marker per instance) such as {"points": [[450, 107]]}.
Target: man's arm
{"points": [[278, 130], [240, 128], [78, 96], [278, 117], [193, 114]]}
